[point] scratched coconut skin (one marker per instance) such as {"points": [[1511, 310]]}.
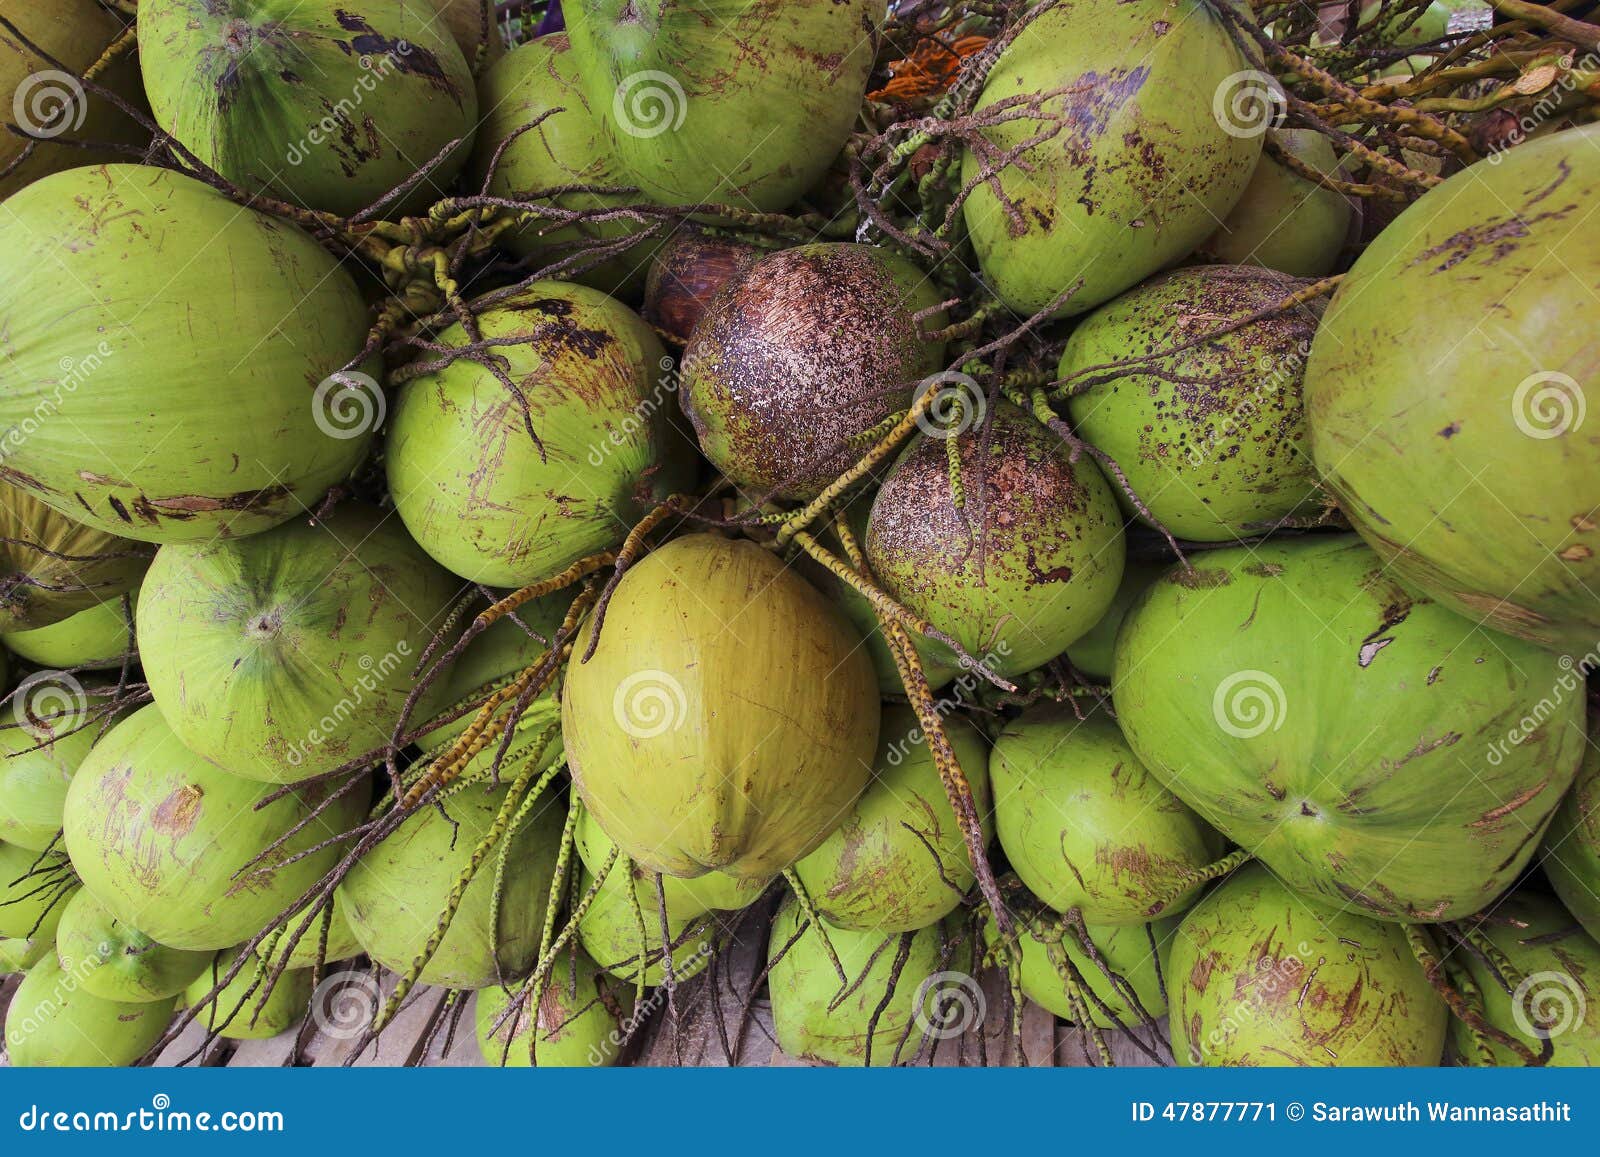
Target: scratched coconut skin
{"points": [[803, 352], [898, 861], [283, 655], [753, 708], [1086, 826], [1385, 696], [1536, 935], [1317, 985], [52, 567], [567, 147], [679, 87], [159, 836], [1141, 169], [803, 984], [1426, 444], [485, 499], [1025, 566], [1219, 449], [327, 104], [117, 272]]}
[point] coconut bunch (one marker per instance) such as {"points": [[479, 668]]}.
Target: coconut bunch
{"points": [[945, 501]]}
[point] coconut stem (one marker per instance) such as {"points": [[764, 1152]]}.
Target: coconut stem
{"points": [[1188, 881], [1433, 968], [803, 898]]}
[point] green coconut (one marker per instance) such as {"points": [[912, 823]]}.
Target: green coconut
{"points": [[245, 1009], [115, 961], [899, 862], [803, 984], [395, 893], [162, 377], [96, 639], [1213, 438], [1370, 746], [341, 941], [53, 567], [728, 717], [568, 147], [619, 930], [1132, 951], [40, 751], [474, 25], [326, 104], [52, 107], [801, 354], [1091, 654], [34, 891], [289, 653], [1261, 976], [1553, 993], [1283, 221], [743, 104], [1571, 852], [52, 1022], [1141, 160], [1086, 826], [1435, 448], [1024, 564], [713, 891], [161, 837], [488, 501], [581, 1018]]}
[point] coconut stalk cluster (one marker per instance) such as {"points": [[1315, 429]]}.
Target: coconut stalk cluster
{"points": [[619, 514]]}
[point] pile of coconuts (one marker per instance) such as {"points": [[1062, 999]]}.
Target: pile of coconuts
{"points": [[836, 520]]}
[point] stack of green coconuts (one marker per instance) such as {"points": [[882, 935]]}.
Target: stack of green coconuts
{"points": [[545, 605]]}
